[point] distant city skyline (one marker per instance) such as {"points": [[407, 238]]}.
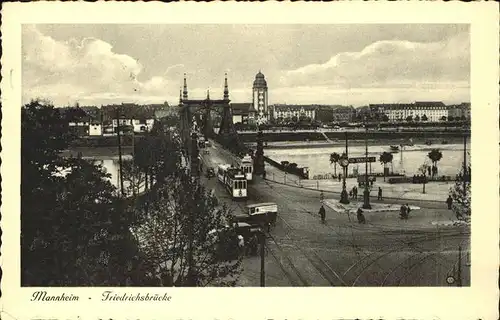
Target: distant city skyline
{"points": [[351, 64]]}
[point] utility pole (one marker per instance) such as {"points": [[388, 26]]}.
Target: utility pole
{"points": [[459, 272], [465, 162], [366, 195], [122, 189], [262, 258], [344, 163]]}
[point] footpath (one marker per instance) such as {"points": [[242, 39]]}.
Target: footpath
{"points": [[434, 191]]}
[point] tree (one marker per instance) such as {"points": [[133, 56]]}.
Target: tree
{"points": [[435, 155], [409, 118], [385, 118], [423, 170], [134, 176], [157, 155], [74, 231], [443, 118], [385, 158], [186, 239], [451, 119], [334, 158], [424, 117], [462, 196], [295, 119], [417, 118]]}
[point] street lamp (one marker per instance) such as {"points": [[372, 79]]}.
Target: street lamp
{"points": [[344, 162], [366, 193]]}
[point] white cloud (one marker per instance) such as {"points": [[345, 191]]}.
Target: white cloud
{"points": [[90, 71], [66, 72], [390, 64]]}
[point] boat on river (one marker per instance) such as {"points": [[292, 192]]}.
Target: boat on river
{"points": [[394, 148]]}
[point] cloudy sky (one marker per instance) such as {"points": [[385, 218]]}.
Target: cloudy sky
{"points": [[329, 64]]}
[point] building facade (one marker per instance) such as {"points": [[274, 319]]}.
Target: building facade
{"points": [[343, 114], [460, 111], [241, 112], [430, 111], [293, 113], [260, 100]]}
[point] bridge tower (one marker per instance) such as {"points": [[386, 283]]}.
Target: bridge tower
{"points": [[201, 111], [227, 132], [207, 126], [185, 116]]}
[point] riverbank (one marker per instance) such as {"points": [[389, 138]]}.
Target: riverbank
{"points": [[325, 136], [436, 143], [97, 152]]}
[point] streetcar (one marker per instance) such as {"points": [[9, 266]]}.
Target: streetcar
{"points": [[266, 212], [234, 181], [246, 165]]}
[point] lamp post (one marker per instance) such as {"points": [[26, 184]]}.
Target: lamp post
{"points": [[344, 162], [366, 193]]}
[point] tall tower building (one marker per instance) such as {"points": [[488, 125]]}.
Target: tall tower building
{"points": [[260, 99]]}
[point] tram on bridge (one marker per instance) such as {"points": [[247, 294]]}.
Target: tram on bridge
{"points": [[246, 165], [234, 181]]}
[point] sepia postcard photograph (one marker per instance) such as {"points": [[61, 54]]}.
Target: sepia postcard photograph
{"points": [[176, 154]]}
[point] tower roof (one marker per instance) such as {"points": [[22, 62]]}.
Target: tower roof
{"points": [[260, 81]]}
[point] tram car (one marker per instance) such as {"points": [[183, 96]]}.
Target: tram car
{"points": [[246, 165], [234, 181], [266, 212]]}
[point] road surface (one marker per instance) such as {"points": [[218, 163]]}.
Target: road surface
{"points": [[386, 251]]}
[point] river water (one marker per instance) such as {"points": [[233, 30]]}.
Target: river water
{"points": [[318, 159], [111, 165], [406, 161]]}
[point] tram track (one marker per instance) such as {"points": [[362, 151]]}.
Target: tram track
{"points": [[317, 262], [385, 254], [297, 279], [294, 276], [413, 266], [412, 242]]}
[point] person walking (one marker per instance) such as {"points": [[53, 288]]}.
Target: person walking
{"points": [[360, 216], [408, 209], [322, 214], [403, 212], [264, 175], [340, 177], [449, 202], [355, 192], [241, 244], [379, 197]]}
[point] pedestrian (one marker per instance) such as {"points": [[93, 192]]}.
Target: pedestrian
{"points": [[264, 175], [361, 216], [355, 191], [429, 170], [408, 209], [340, 177], [379, 197], [322, 214], [449, 202], [403, 213], [350, 194], [241, 243]]}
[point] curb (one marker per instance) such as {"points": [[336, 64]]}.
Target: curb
{"points": [[336, 192]]}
